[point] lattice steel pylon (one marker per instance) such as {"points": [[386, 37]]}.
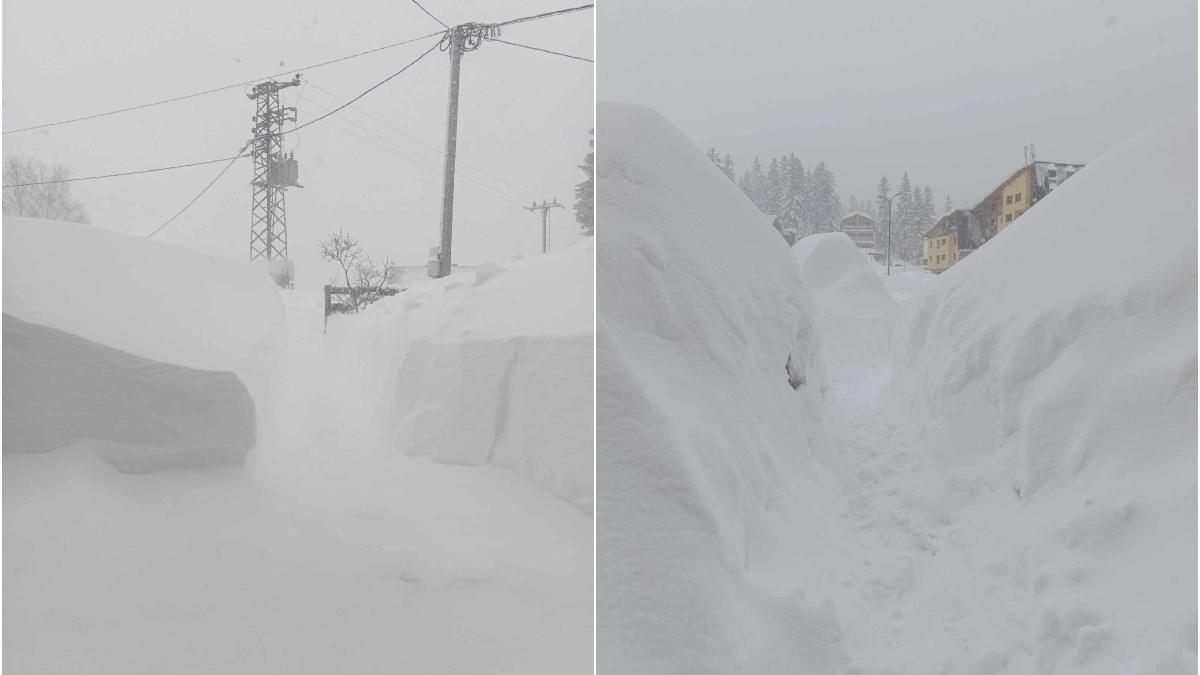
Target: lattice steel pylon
{"points": [[272, 173]]}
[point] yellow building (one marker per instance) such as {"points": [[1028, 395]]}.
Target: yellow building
{"points": [[1020, 191], [953, 238], [957, 234]]}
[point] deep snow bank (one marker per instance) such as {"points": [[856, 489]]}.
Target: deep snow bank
{"points": [[716, 498], [488, 367], [855, 312], [163, 354], [1053, 373]]}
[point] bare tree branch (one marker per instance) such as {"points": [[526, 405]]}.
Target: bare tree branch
{"points": [[52, 201]]}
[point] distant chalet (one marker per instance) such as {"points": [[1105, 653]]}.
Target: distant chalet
{"points": [[957, 234], [861, 229]]}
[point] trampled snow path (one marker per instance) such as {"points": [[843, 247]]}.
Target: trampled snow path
{"points": [[919, 595]]}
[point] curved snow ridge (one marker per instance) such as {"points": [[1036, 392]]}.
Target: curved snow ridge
{"points": [[493, 367], [157, 300], [1054, 371], [856, 313], [716, 477]]}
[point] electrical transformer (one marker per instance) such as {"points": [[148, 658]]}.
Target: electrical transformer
{"points": [[285, 173]]}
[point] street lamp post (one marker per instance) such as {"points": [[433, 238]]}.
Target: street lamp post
{"points": [[889, 252]]}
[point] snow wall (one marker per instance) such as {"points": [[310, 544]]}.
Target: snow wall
{"points": [[717, 483], [160, 356], [492, 366], [1054, 375], [855, 312]]}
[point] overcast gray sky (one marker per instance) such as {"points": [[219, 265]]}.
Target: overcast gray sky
{"points": [[949, 90], [523, 125]]}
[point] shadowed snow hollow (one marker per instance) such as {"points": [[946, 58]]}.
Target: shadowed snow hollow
{"points": [[856, 313], [488, 367], [1053, 377], [717, 493], [156, 355]]}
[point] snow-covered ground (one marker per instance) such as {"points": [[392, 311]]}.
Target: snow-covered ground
{"points": [[1012, 490], [488, 367], [329, 551]]}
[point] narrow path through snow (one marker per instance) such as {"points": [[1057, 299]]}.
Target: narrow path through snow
{"points": [[918, 583]]}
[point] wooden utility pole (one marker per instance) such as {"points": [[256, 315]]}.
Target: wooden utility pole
{"points": [[458, 40], [545, 207]]}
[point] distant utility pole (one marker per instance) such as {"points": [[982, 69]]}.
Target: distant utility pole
{"points": [[273, 174], [545, 207], [458, 40]]}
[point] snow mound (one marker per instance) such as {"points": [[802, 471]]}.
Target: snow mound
{"points": [[493, 366], [856, 313], [1054, 372], [162, 355], [716, 493]]}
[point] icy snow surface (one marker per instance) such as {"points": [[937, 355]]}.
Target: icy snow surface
{"points": [[329, 551], [1013, 491]]}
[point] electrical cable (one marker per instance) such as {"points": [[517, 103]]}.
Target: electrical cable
{"points": [[539, 49], [431, 15], [314, 66], [220, 89], [461, 179], [441, 154], [372, 88], [241, 153], [545, 15], [117, 175]]}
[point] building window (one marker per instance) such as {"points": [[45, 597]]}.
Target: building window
{"points": [[1007, 199], [1017, 199], [1008, 218]]}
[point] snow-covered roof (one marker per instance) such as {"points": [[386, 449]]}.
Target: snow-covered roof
{"points": [[857, 213]]}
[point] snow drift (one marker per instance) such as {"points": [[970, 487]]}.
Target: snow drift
{"points": [[713, 474], [855, 312], [492, 366], [157, 355], [1053, 376]]}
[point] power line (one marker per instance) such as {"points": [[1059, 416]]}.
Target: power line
{"points": [[409, 155], [416, 160], [117, 175], [372, 88], [545, 15], [416, 140], [220, 89], [431, 15], [314, 66], [241, 153], [539, 49]]}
